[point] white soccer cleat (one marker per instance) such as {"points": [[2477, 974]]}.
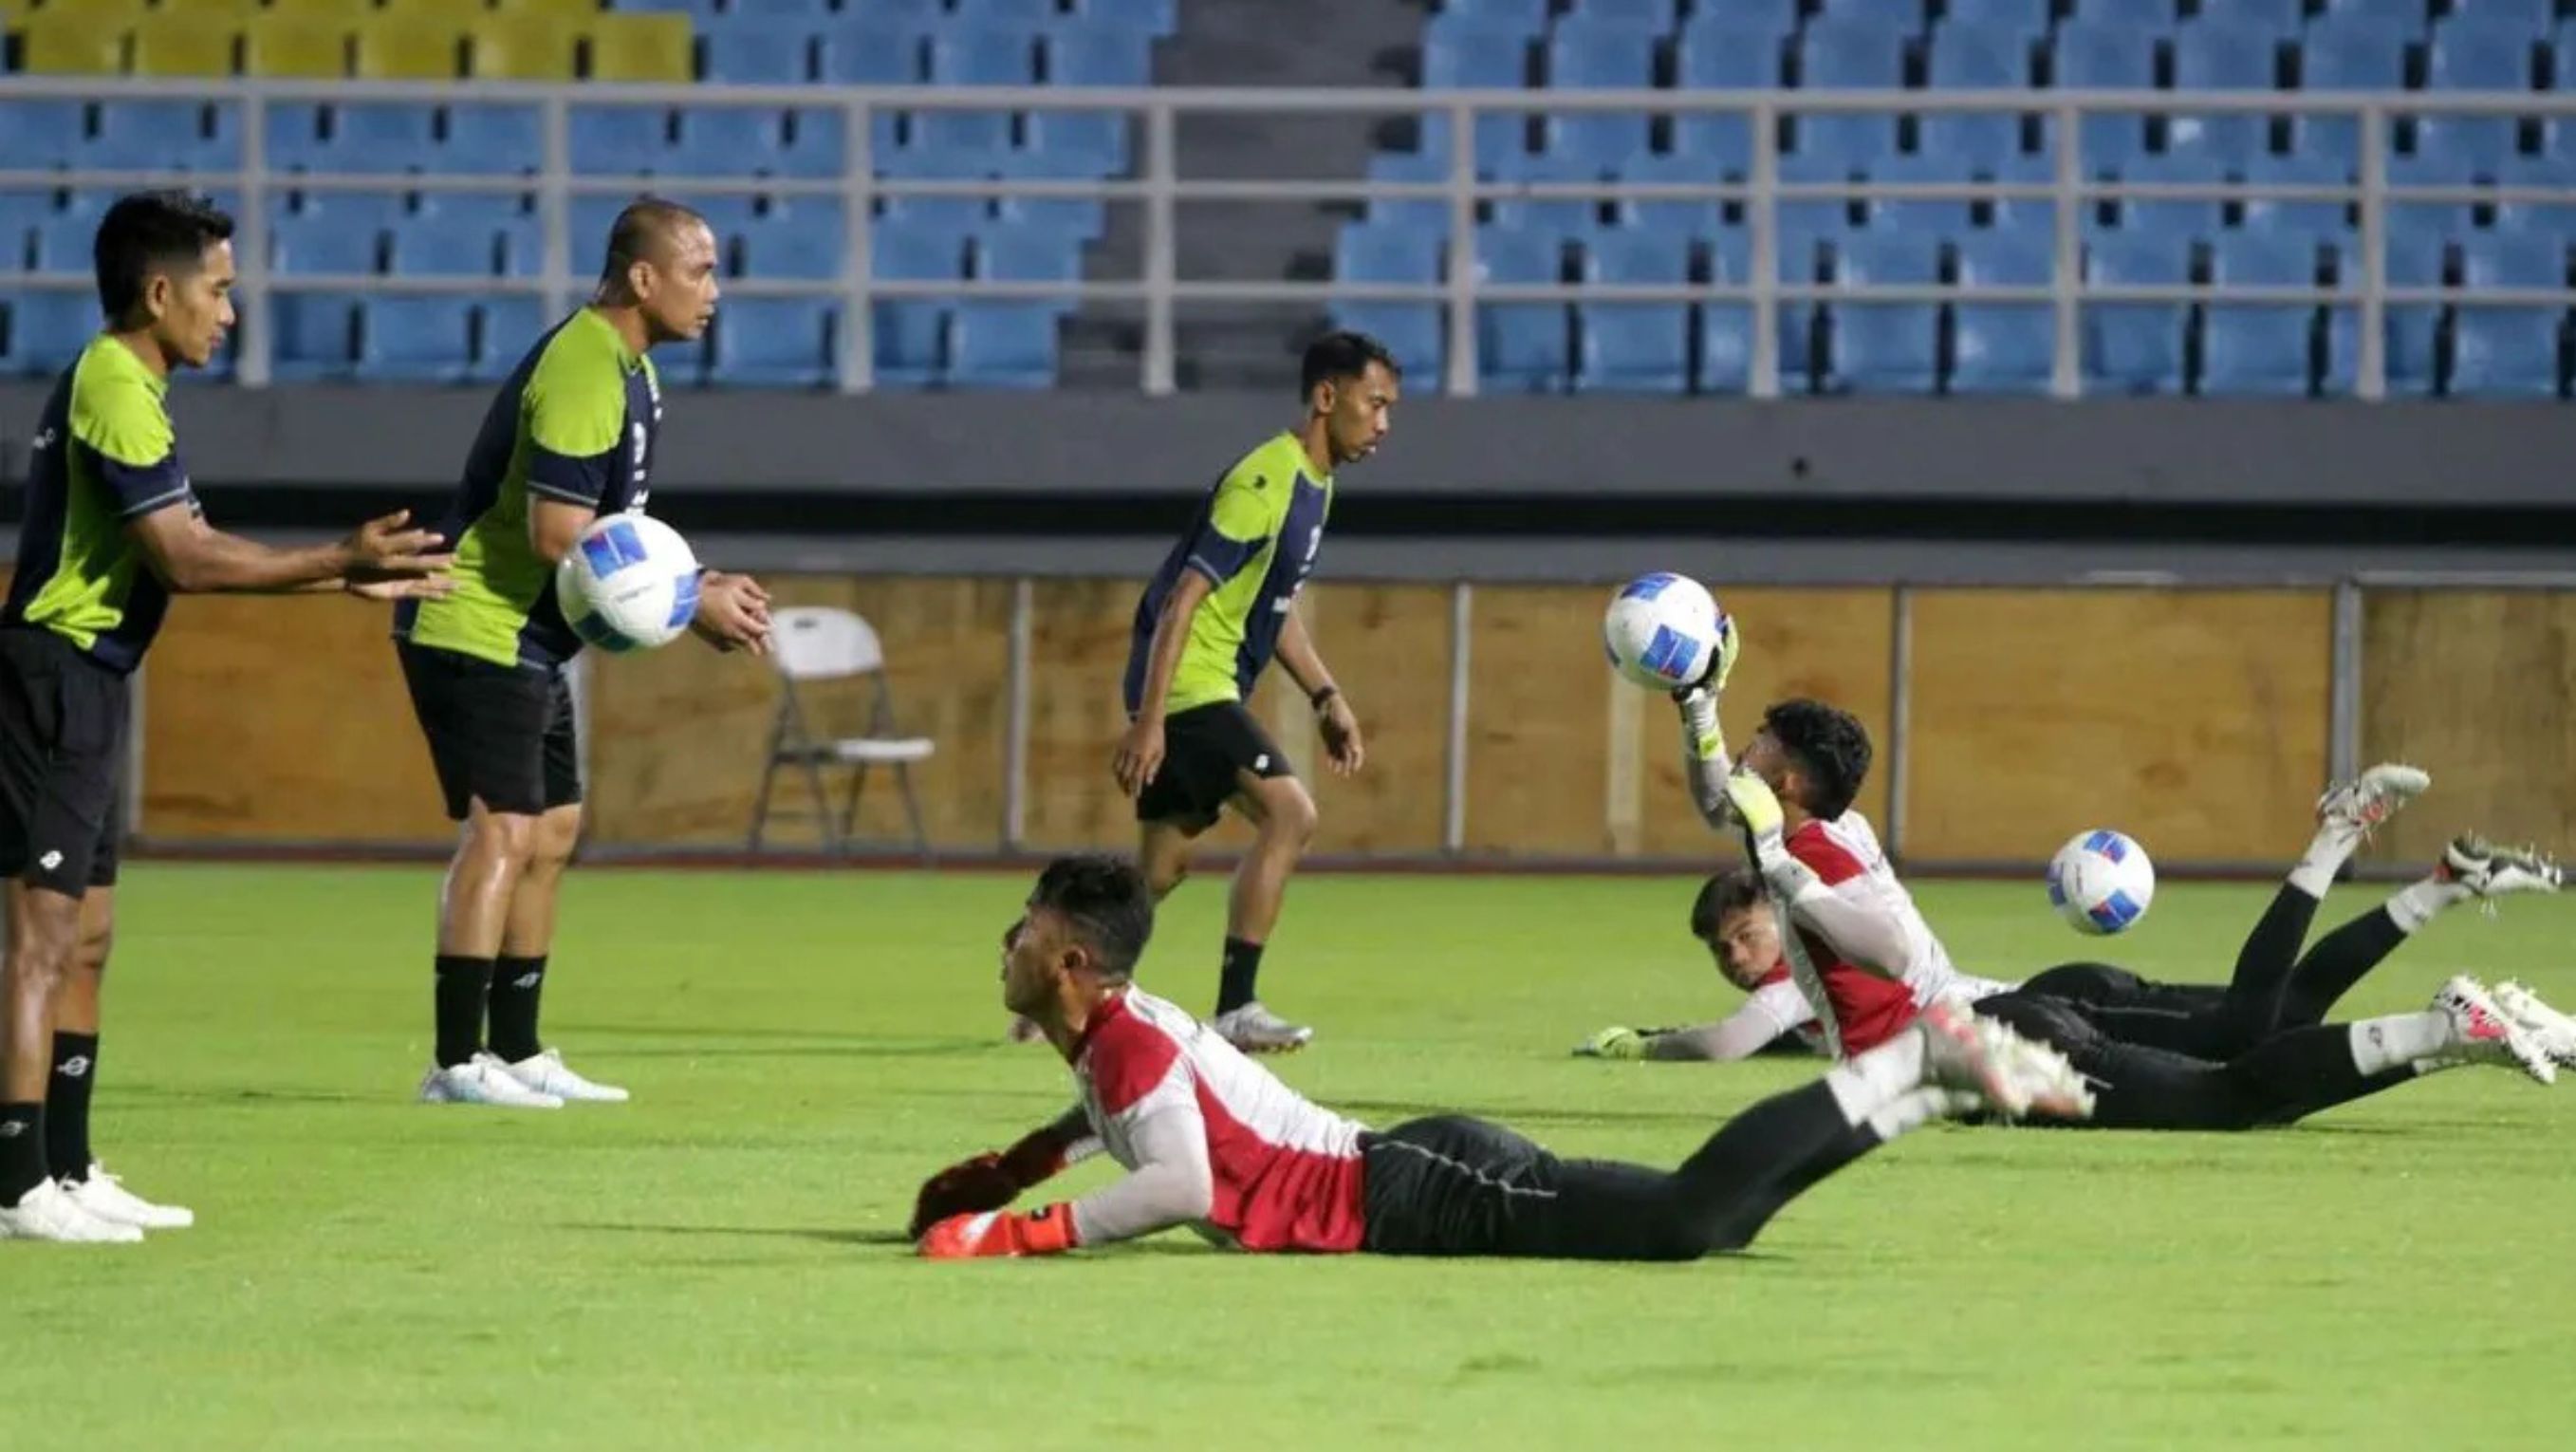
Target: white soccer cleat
{"points": [[1965, 1052], [105, 1196], [48, 1212], [2555, 1032], [2371, 798], [2490, 872], [482, 1079], [1256, 1030], [547, 1074], [2485, 1035]]}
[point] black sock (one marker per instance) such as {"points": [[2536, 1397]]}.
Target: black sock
{"points": [[463, 984], [2336, 963], [67, 1153], [1234, 986], [2264, 964], [516, 982], [22, 1150]]}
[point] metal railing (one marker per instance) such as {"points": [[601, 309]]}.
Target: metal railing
{"points": [[1160, 189]]}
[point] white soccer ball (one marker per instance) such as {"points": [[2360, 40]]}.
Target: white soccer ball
{"points": [[1662, 631], [629, 583], [2101, 882]]}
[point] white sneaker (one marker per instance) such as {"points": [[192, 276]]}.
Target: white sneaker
{"points": [[48, 1212], [546, 1074], [2555, 1032], [2492, 872], [2372, 797], [104, 1196], [1256, 1030], [1968, 1053], [482, 1079], [2485, 1035]]}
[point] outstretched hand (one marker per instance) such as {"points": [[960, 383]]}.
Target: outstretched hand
{"points": [[385, 548], [733, 612]]}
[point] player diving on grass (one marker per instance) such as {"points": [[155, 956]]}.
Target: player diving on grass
{"points": [[1210, 1139], [568, 438], [112, 529], [1844, 936], [1222, 604]]}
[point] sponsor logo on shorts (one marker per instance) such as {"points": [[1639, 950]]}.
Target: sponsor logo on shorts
{"points": [[50, 861]]}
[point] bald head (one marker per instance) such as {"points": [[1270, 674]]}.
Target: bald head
{"points": [[661, 263]]}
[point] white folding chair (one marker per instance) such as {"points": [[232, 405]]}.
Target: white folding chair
{"points": [[816, 643]]}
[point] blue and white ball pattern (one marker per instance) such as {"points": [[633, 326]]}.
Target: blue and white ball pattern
{"points": [[1662, 630], [629, 583], [2101, 882]]}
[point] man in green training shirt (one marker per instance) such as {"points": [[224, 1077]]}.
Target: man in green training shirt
{"points": [[1223, 603], [568, 438], [113, 530]]}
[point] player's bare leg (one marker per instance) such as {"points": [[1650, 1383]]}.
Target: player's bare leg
{"points": [[492, 856], [75, 1076], [1283, 822], [519, 973], [43, 937]]}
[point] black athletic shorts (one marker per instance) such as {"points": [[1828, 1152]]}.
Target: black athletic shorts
{"points": [[62, 763], [502, 734], [1203, 748]]}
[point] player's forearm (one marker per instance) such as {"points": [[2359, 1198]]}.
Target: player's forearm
{"points": [[213, 562], [1705, 763], [1156, 1197], [1298, 655], [1738, 1036]]}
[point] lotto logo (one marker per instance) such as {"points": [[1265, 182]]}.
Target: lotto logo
{"points": [[50, 861], [1261, 762], [75, 1067]]}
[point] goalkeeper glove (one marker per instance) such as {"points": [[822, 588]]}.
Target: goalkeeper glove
{"points": [[1616, 1043], [1758, 808], [1047, 1231], [1721, 662], [989, 1181]]}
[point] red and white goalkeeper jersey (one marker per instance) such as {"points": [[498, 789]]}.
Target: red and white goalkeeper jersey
{"points": [[1868, 1010], [1285, 1174]]}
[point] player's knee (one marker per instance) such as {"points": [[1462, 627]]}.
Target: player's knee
{"points": [[1291, 816], [95, 943], [1162, 877], [44, 937], [556, 835], [508, 836]]}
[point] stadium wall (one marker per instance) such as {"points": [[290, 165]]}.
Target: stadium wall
{"points": [[2199, 720]]}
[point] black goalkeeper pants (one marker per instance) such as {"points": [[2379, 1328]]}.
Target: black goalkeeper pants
{"points": [[1452, 1185]]}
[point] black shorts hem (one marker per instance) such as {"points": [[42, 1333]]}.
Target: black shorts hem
{"points": [[1205, 749], [500, 735]]}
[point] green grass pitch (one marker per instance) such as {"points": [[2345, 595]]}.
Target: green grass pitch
{"points": [[716, 1266]]}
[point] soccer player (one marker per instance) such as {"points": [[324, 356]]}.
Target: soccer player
{"points": [[568, 438], [1225, 601], [1211, 1140], [1849, 920], [112, 530]]}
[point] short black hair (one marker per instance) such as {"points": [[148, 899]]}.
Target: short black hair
{"points": [[1106, 900], [148, 232], [644, 222], [1339, 355], [1831, 750], [1730, 891]]}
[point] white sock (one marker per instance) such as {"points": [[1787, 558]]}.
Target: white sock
{"points": [[1907, 1110], [2399, 1040], [2325, 857], [1865, 1084], [2419, 902]]}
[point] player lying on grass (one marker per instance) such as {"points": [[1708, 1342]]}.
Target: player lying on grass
{"points": [[1853, 936], [1212, 1140]]}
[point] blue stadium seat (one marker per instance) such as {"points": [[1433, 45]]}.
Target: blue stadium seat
{"points": [[423, 339], [1562, 216], [1019, 14], [1725, 363], [762, 52], [380, 136], [2281, 19], [2135, 347], [1851, 55], [1730, 50], [1980, 58], [774, 342], [491, 139], [510, 325], [953, 214], [1499, 143], [2408, 15], [2311, 219], [618, 140], [1529, 17], [982, 132], [2454, 150], [2260, 348], [1634, 257], [911, 333], [1934, 218], [2508, 351], [1410, 331], [703, 11], [2096, 53], [1896, 16], [368, 211], [869, 51], [995, 344], [294, 137], [2030, 17], [312, 335], [1837, 147], [42, 332], [1632, 348], [1098, 57], [1427, 214], [61, 241], [1599, 55], [1076, 217], [1373, 252], [1680, 217], [321, 246], [493, 209], [1097, 138], [727, 141], [43, 133], [2532, 18], [2181, 217], [1885, 347], [1467, 56], [982, 56], [164, 136], [2471, 55], [1156, 17], [2412, 330], [1520, 346], [20, 213], [2003, 347], [2211, 55], [810, 241], [817, 143], [2348, 53], [1987, 144], [1022, 255], [444, 247], [1652, 17], [739, 11]]}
